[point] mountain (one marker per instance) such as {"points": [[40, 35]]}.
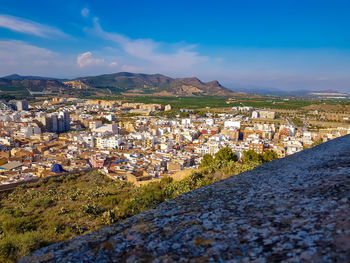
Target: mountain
{"points": [[31, 85], [16, 76], [123, 83], [146, 84], [267, 91]]}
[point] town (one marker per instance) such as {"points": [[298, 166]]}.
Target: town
{"points": [[174, 131], [138, 142]]}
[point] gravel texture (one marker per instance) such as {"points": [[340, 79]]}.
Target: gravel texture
{"points": [[295, 209]]}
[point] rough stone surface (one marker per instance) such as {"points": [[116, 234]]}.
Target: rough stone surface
{"points": [[295, 209]]}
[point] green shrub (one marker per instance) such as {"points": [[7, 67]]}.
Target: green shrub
{"points": [[8, 250], [226, 155], [206, 161], [16, 246], [59, 209], [44, 202], [108, 217], [92, 209], [13, 225]]}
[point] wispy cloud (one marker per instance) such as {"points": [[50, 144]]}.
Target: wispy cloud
{"points": [[10, 49], [21, 25], [27, 59], [86, 59], [148, 50], [20, 57], [85, 12]]}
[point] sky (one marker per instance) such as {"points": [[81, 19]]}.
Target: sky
{"points": [[283, 44]]}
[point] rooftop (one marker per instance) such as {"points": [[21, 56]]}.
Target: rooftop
{"points": [[11, 165], [292, 209]]}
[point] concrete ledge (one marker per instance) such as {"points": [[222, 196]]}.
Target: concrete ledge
{"points": [[295, 209]]}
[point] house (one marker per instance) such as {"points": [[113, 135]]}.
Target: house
{"points": [[11, 166]]}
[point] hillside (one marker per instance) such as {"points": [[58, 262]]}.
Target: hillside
{"points": [[35, 85], [294, 209], [115, 84], [58, 208], [19, 77], [156, 84]]}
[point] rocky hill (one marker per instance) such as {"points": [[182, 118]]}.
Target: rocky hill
{"points": [[155, 84], [118, 83], [295, 209], [35, 85]]}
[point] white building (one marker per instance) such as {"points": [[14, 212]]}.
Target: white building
{"points": [[186, 122], [95, 124], [110, 117], [232, 124], [255, 114], [166, 146], [22, 105], [108, 128], [210, 122], [28, 131], [108, 143]]}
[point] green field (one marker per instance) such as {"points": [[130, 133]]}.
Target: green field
{"points": [[184, 102], [220, 102], [201, 102]]}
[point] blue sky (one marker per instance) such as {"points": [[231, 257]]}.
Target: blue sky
{"points": [[285, 44]]}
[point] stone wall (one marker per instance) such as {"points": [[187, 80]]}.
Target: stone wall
{"points": [[295, 209]]}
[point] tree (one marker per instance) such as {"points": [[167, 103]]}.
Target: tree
{"points": [[268, 156], [226, 155], [170, 114], [206, 161], [317, 142], [250, 156], [184, 114], [201, 113]]}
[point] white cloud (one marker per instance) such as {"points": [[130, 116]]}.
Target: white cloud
{"points": [[86, 59], [85, 12], [113, 64], [26, 59], [22, 58], [28, 27], [147, 50], [13, 49]]}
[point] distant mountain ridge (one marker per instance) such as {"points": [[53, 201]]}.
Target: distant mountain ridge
{"points": [[118, 83], [19, 77], [136, 83], [24, 85], [267, 91]]}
